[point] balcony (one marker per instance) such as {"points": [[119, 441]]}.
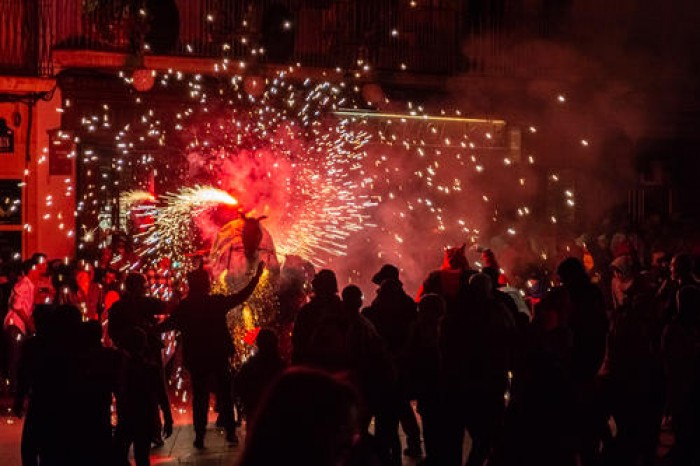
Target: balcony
{"points": [[351, 34]]}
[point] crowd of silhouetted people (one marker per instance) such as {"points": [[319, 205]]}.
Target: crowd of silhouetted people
{"points": [[586, 372]]}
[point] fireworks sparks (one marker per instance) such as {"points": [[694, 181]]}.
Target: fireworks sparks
{"points": [[171, 231], [203, 196], [322, 167], [283, 155]]}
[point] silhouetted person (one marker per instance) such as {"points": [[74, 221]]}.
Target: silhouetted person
{"points": [[475, 343], [207, 347], [141, 392], [135, 310], [422, 372], [34, 431], [259, 371], [451, 279], [634, 368], [294, 285], [331, 335], [589, 326], [308, 417], [371, 367], [392, 313], [70, 387], [325, 298], [681, 346], [98, 377], [539, 427], [520, 319]]}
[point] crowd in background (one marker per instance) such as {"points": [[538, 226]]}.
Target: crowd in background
{"points": [[580, 366]]}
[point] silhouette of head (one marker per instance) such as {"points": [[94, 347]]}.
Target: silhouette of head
{"points": [[199, 283], [352, 297], [455, 259], [308, 417], [572, 272], [682, 266], [488, 259], [431, 305], [325, 283], [267, 341], [135, 285], [387, 272]]}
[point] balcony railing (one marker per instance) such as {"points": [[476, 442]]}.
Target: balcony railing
{"points": [[433, 37], [323, 33], [17, 43]]}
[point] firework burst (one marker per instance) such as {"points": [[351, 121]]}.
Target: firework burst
{"points": [[287, 157], [171, 232]]}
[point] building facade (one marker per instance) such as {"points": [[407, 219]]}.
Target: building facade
{"points": [[60, 59]]}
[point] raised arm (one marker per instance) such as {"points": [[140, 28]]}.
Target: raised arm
{"points": [[240, 297]]}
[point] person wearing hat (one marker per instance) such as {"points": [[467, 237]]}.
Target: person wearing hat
{"points": [[393, 313]]}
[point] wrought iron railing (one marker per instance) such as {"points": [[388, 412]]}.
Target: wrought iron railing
{"points": [[434, 36], [323, 33], [18, 48]]}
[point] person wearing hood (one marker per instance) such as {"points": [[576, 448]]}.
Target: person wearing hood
{"points": [[393, 314]]}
